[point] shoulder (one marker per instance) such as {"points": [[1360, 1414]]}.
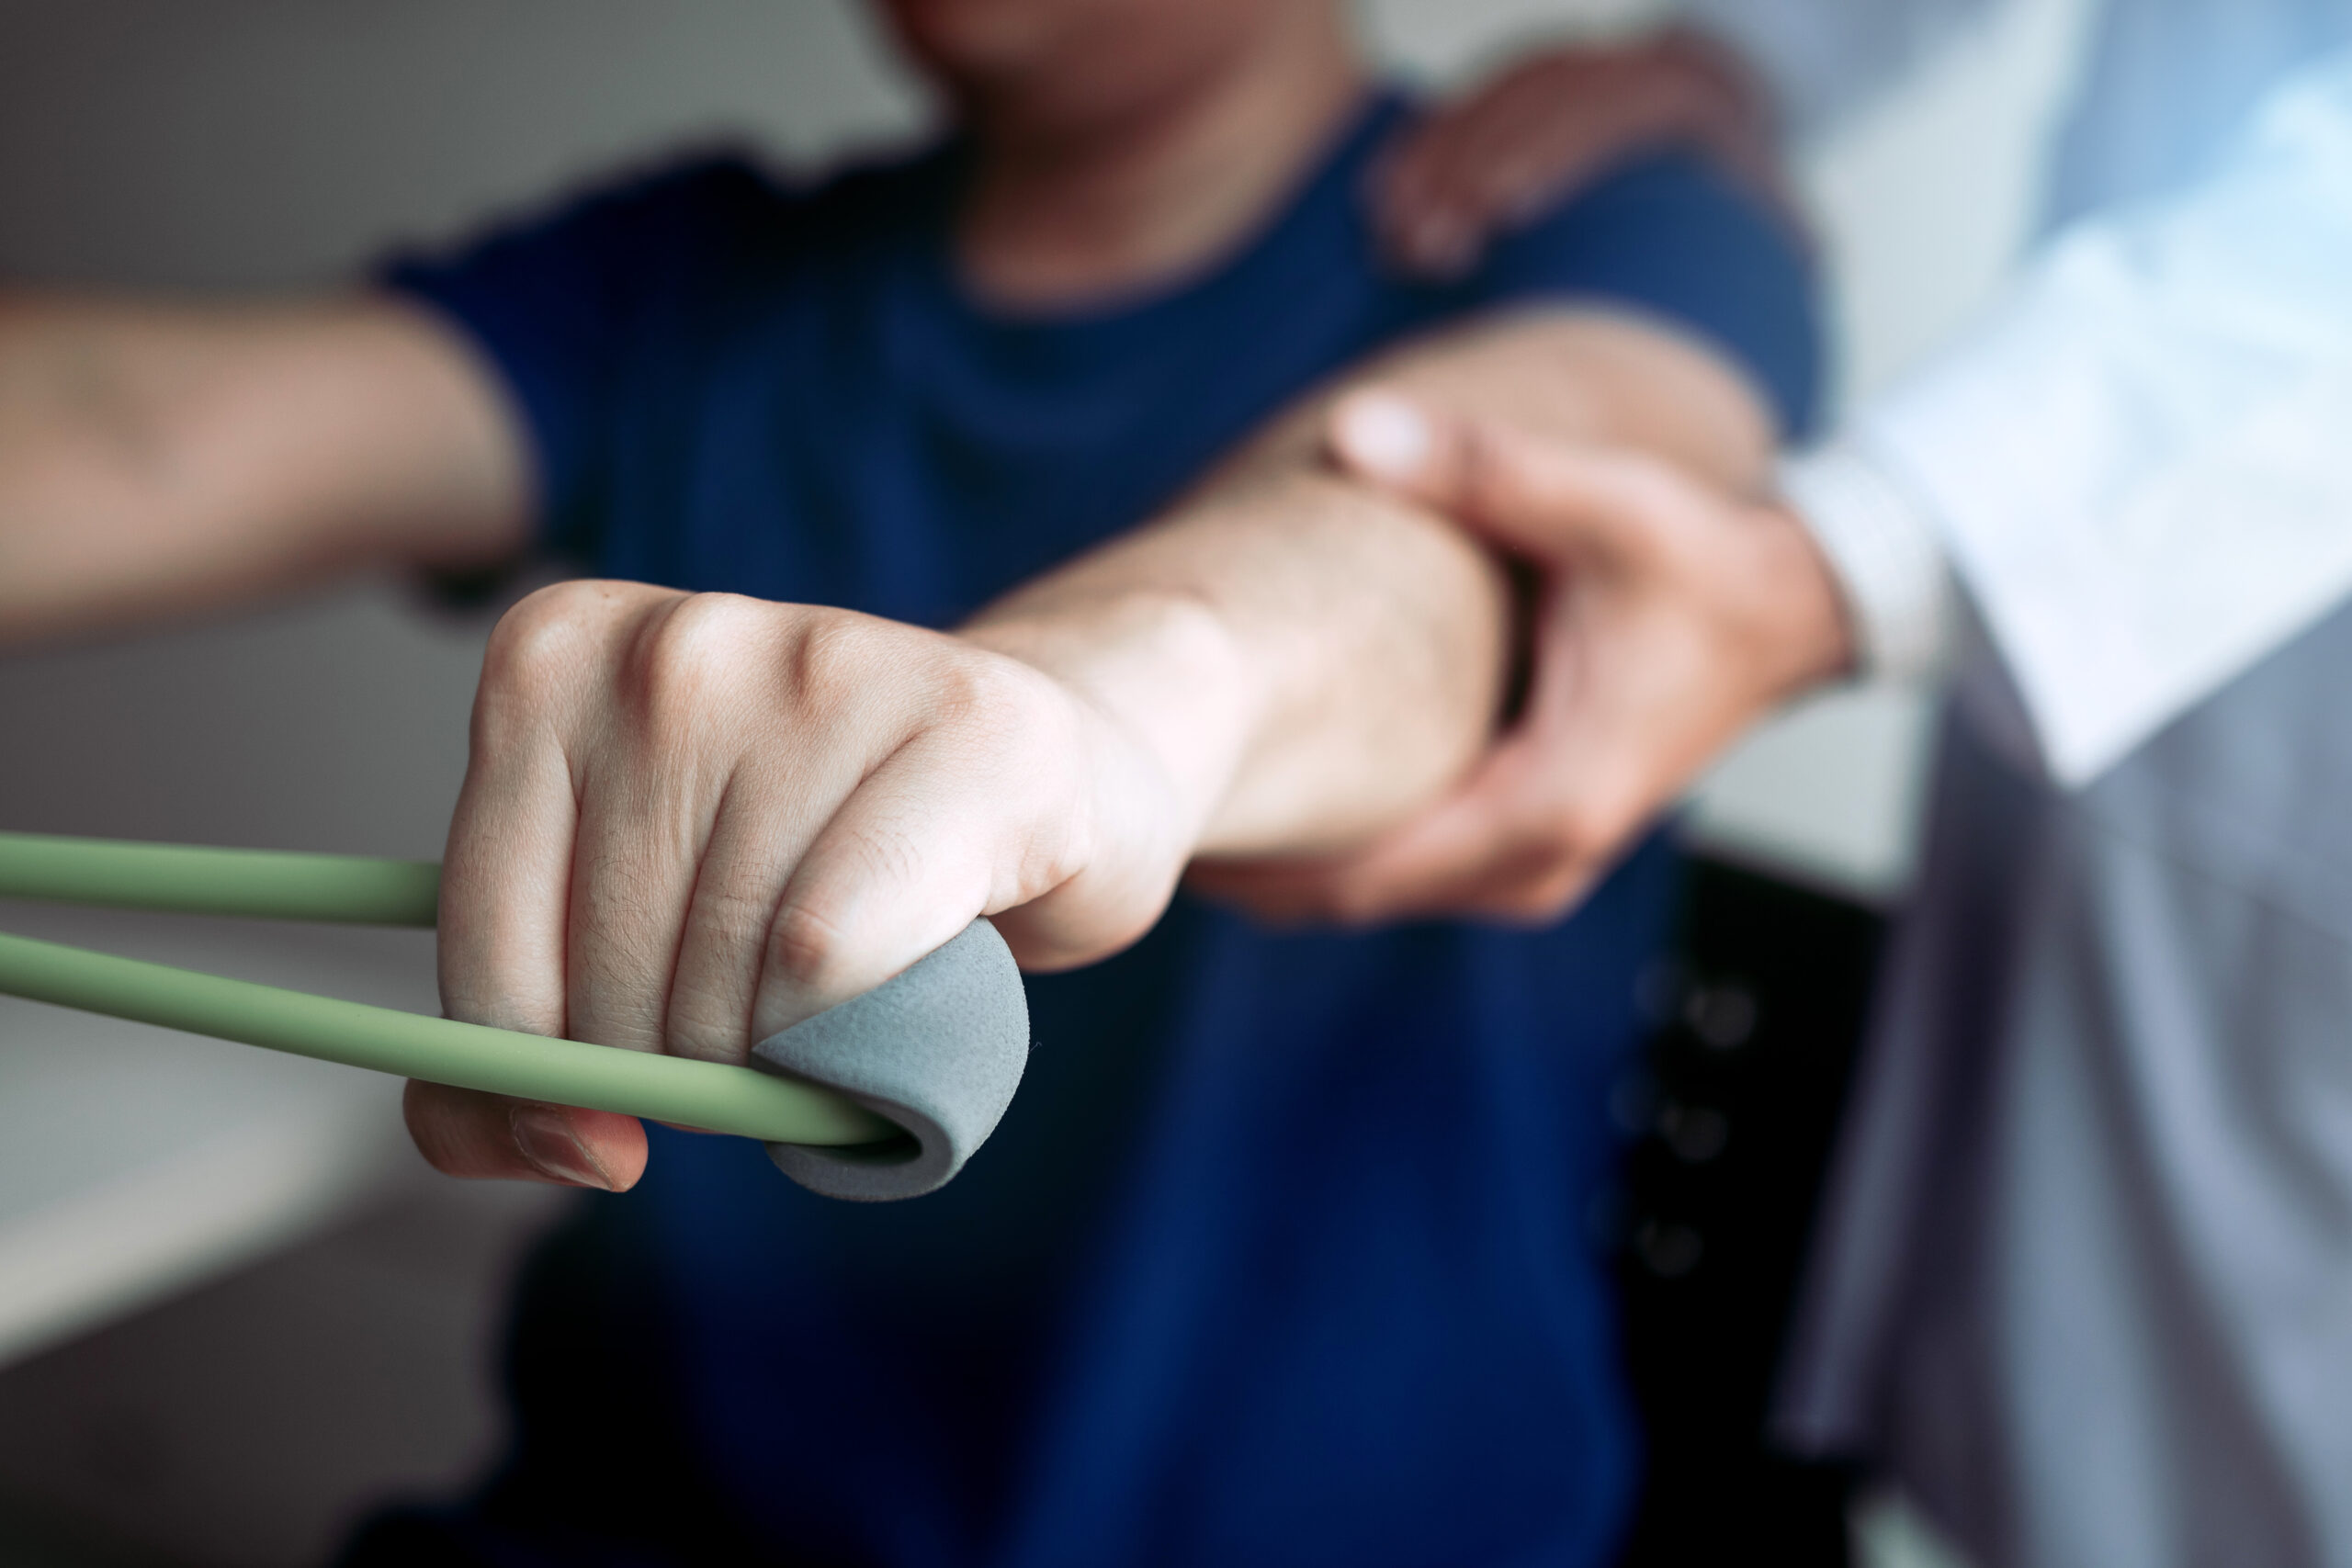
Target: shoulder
{"points": [[1670, 236]]}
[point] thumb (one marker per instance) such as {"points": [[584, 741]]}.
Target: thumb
{"points": [[1547, 499], [1399, 445]]}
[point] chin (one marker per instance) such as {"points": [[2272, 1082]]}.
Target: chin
{"points": [[976, 42], [1071, 60]]}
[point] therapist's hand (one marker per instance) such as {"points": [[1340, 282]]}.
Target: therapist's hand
{"points": [[1547, 125], [1669, 616], [691, 820]]}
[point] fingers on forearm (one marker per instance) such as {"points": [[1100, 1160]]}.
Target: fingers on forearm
{"points": [[1522, 839], [1530, 498]]}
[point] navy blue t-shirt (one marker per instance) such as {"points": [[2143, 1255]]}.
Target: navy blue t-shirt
{"points": [[1281, 1254]]}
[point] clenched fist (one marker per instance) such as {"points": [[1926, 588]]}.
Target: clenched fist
{"points": [[691, 820]]}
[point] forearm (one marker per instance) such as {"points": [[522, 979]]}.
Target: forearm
{"points": [[1305, 661], [159, 458], [1314, 660]]}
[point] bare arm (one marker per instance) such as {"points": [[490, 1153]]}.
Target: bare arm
{"points": [[157, 459], [692, 820], [1367, 646]]}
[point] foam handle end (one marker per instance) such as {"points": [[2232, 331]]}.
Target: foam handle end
{"points": [[938, 1050]]}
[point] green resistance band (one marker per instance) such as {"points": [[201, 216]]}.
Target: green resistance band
{"points": [[273, 885]]}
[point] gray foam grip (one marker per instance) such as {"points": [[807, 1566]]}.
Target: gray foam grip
{"points": [[938, 1050]]}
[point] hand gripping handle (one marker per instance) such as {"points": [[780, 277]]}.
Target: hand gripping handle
{"points": [[885, 1096]]}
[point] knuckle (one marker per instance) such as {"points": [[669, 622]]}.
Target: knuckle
{"points": [[543, 640], [806, 946], [1001, 718], [834, 659], [1001, 699], [682, 654]]}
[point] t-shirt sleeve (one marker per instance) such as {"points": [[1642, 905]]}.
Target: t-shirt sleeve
{"points": [[562, 306], [1669, 237]]}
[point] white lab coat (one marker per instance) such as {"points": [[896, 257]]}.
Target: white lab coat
{"points": [[2084, 1285]]}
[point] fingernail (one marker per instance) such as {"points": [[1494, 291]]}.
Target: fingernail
{"points": [[544, 1135], [1385, 435]]}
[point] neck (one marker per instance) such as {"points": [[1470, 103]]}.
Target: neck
{"points": [[1065, 214]]}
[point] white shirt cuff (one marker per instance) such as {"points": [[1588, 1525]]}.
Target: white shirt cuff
{"points": [[1897, 583]]}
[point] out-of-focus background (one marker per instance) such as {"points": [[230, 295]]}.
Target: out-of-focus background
{"points": [[233, 1308]]}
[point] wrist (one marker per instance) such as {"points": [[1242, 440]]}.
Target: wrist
{"points": [[1163, 672]]}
